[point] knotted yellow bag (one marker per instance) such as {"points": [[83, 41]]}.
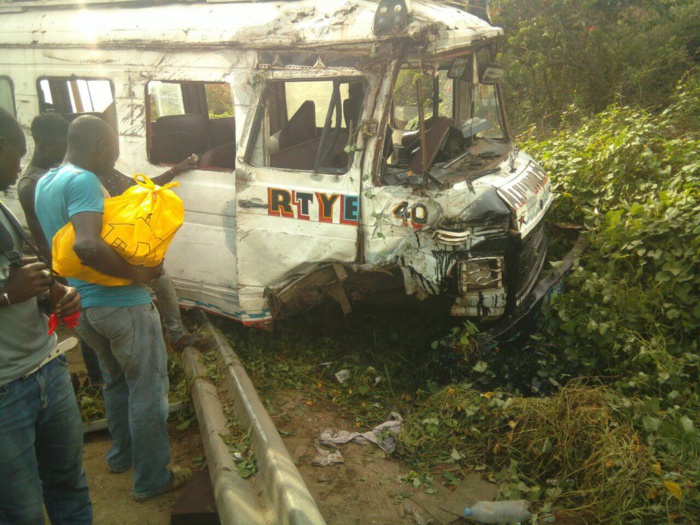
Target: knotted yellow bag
{"points": [[138, 225]]}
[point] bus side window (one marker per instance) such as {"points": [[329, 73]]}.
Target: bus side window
{"points": [[7, 97], [191, 117], [73, 97], [311, 124]]}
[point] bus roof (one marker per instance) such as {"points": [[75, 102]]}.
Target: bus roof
{"points": [[291, 24]]}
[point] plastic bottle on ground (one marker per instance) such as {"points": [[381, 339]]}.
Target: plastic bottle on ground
{"points": [[499, 511]]}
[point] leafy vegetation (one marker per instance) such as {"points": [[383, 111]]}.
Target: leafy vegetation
{"points": [[381, 360], [629, 319], [572, 450]]}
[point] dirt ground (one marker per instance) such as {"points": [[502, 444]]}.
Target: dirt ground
{"points": [[367, 489]]}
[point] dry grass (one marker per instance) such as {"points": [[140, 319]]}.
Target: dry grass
{"points": [[569, 451]]}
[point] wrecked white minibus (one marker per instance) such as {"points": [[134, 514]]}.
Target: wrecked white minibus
{"points": [[350, 150]]}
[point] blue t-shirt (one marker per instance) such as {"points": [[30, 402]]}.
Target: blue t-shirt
{"points": [[62, 193]]}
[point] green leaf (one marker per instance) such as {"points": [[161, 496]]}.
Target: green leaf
{"points": [[663, 277], [184, 425], [480, 367], [455, 455], [651, 424], [687, 425]]}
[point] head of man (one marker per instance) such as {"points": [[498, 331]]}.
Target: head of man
{"points": [[12, 148], [50, 133], [92, 145]]}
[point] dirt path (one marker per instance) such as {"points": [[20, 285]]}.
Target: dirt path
{"points": [[369, 488], [111, 493], [365, 489]]}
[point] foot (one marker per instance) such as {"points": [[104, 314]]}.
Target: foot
{"points": [[119, 470], [179, 476], [198, 341]]}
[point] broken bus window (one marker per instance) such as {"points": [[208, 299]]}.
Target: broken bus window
{"points": [[307, 125], [191, 117]]}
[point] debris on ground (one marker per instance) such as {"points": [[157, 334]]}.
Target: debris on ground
{"points": [[383, 435]]}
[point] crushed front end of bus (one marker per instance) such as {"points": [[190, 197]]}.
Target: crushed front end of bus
{"points": [[451, 174]]}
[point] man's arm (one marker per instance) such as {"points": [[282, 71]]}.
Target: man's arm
{"points": [[94, 252], [26, 199], [32, 279], [189, 163], [119, 183]]}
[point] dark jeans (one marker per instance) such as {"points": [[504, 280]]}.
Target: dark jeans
{"points": [[41, 450], [91, 363]]}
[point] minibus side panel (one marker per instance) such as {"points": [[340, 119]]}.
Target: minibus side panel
{"points": [[290, 221]]}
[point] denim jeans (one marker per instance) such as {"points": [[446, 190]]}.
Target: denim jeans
{"points": [[129, 344], [169, 308], [41, 450]]}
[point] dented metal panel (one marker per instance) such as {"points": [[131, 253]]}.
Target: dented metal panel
{"points": [[283, 232], [248, 25]]}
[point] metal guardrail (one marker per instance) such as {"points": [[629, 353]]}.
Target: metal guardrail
{"points": [[284, 498]]}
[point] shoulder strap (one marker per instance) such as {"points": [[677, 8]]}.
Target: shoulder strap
{"points": [[18, 227]]}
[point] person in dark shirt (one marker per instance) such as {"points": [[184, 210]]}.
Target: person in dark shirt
{"points": [[41, 434], [49, 131]]}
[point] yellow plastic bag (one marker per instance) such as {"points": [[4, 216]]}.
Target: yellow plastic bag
{"points": [[138, 225]]}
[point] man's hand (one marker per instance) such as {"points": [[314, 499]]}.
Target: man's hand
{"points": [[64, 301], [31, 279], [143, 274], [189, 163]]}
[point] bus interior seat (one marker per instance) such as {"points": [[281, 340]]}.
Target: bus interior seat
{"points": [[70, 117], [222, 131], [176, 137], [223, 156], [108, 115], [351, 111], [297, 157], [303, 156], [300, 128], [410, 139]]}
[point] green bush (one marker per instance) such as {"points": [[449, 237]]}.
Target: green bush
{"points": [[631, 314]]}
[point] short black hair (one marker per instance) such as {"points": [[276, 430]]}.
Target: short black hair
{"points": [[49, 126], [9, 127]]}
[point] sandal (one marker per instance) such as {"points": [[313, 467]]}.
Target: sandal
{"points": [[179, 476]]}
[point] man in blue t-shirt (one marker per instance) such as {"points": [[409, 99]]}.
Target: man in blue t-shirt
{"points": [[119, 322], [41, 435]]}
